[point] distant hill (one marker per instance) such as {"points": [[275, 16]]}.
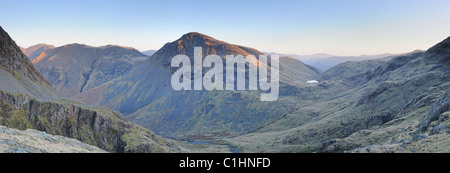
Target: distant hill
{"points": [[329, 62], [326, 61], [34, 51], [149, 52], [75, 68]]}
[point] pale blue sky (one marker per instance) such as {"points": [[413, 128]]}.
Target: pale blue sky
{"points": [[340, 27]]}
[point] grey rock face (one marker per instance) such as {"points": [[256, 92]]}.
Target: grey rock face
{"points": [[418, 137], [325, 147], [441, 105], [438, 129], [379, 119], [96, 126]]}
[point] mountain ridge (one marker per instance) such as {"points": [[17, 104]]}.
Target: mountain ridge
{"points": [[74, 68], [34, 51], [325, 61]]}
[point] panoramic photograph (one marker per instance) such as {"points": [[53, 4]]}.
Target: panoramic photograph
{"points": [[197, 76]]}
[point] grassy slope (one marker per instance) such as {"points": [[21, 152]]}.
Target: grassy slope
{"points": [[394, 99]]}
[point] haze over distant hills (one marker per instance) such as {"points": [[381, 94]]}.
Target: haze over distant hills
{"points": [[149, 52], [325, 61]]}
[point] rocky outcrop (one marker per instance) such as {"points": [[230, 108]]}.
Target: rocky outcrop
{"points": [[95, 126], [441, 105], [326, 146], [379, 119]]}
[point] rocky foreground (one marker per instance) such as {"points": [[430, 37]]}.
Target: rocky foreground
{"points": [[33, 141]]}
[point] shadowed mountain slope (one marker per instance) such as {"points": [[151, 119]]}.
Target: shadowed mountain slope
{"points": [[145, 94], [75, 68], [28, 101]]}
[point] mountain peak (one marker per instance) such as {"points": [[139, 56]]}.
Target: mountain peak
{"points": [[195, 37], [14, 61], [192, 35], [186, 43], [34, 51]]}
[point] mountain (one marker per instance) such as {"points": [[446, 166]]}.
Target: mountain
{"points": [[145, 95], [34, 51], [400, 105], [149, 52], [350, 68], [295, 72], [312, 56], [75, 68], [28, 101], [325, 61]]}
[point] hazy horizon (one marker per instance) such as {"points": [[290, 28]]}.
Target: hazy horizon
{"points": [[344, 28]]}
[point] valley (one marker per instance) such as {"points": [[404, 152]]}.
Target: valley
{"points": [[121, 100], [351, 106]]}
